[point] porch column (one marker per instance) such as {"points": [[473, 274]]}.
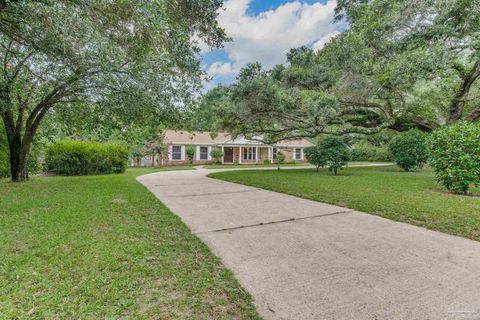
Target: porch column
{"points": [[270, 153], [240, 155], [223, 155], [256, 154]]}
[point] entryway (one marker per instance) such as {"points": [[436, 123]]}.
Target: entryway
{"points": [[228, 155]]}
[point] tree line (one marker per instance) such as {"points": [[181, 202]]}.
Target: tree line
{"points": [[399, 65]]}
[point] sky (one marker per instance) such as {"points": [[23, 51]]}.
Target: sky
{"points": [[264, 31]]}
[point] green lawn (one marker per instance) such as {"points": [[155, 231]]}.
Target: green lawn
{"points": [[103, 247], [235, 166], [385, 191]]}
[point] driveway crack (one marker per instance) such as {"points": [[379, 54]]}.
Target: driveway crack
{"points": [[214, 193], [275, 222]]}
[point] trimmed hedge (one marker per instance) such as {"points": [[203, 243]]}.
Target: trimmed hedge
{"points": [[365, 152], [71, 158]]}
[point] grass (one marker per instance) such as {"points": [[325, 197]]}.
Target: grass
{"points": [[231, 166], [103, 247], [222, 166], [413, 198]]}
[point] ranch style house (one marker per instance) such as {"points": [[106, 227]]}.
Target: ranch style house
{"points": [[235, 151]]}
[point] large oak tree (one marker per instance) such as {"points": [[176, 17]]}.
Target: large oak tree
{"points": [[117, 54], [400, 64]]}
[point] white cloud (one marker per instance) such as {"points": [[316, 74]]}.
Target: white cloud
{"points": [[220, 69], [267, 37], [323, 40]]}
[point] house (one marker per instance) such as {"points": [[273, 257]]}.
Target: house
{"points": [[235, 151]]}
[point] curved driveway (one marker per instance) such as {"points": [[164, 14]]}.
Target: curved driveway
{"points": [[302, 259]]}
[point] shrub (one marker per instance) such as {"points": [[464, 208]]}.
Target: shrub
{"points": [[336, 153], [409, 150], [190, 151], [33, 163], [217, 155], [280, 159], [367, 152], [266, 162], [454, 154], [316, 156], [69, 157]]}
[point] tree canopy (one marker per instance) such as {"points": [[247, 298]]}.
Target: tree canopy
{"points": [[399, 65], [129, 56]]}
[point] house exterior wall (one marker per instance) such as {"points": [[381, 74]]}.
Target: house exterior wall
{"points": [[290, 155], [263, 155], [168, 161]]}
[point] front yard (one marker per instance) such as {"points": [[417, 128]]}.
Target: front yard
{"points": [[103, 247], [268, 165], [413, 198]]}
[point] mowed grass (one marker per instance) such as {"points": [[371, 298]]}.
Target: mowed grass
{"points": [[411, 197], [103, 247], [262, 165]]}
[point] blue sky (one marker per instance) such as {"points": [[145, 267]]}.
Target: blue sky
{"points": [[264, 30]]}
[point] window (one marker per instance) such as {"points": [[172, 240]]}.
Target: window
{"points": [[250, 153], [203, 153], [176, 152], [298, 154], [274, 153]]}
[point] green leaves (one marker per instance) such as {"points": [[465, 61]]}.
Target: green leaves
{"points": [[217, 155], [131, 57], [85, 158], [336, 153], [316, 156], [190, 151], [409, 150], [455, 156]]}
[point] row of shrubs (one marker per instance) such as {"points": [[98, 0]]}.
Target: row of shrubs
{"points": [[453, 152], [69, 157]]}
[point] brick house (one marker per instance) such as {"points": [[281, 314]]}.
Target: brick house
{"points": [[235, 151]]}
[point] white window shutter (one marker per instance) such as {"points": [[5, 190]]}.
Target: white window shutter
{"points": [[170, 151], [183, 152], [209, 156], [197, 153], [301, 154]]}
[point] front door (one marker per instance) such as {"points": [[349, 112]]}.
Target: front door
{"points": [[228, 154]]}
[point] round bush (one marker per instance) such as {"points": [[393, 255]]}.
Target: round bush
{"points": [[409, 150], [316, 156], [454, 153], [336, 153], [84, 157]]}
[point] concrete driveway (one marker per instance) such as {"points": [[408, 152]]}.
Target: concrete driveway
{"points": [[302, 259]]}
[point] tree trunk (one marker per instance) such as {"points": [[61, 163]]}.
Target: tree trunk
{"points": [[18, 158], [455, 111], [474, 115]]}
